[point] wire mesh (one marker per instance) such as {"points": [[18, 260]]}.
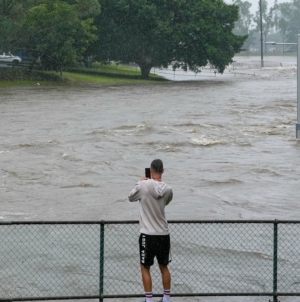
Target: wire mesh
{"points": [[288, 261], [77, 260], [226, 258], [49, 260]]}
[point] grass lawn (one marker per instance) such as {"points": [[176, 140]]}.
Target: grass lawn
{"points": [[86, 78], [89, 75], [116, 69]]}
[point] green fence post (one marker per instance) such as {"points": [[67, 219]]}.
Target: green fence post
{"points": [[101, 272], [275, 261]]}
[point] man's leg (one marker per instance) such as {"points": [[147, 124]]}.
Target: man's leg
{"points": [[147, 282], [146, 277], [166, 281]]}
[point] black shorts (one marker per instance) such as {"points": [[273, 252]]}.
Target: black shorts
{"points": [[154, 246]]}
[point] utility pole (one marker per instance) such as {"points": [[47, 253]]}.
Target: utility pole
{"points": [[261, 35]]}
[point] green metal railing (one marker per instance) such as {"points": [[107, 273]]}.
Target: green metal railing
{"points": [[88, 259]]}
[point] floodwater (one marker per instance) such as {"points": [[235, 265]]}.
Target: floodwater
{"points": [[227, 141]]}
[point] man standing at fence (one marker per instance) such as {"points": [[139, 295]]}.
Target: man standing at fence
{"points": [[154, 240]]}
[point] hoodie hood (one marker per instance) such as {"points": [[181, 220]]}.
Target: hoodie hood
{"points": [[157, 189]]}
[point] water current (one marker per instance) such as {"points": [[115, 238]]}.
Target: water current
{"points": [[73, 152]]}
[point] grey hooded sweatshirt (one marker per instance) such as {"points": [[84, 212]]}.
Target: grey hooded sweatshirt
{"points": [[153, 196]]}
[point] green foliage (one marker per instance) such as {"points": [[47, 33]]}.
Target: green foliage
{"points": [[56, 33], [86, 8], [290, 21], [156, 33], [20, 74], [12, 13]]}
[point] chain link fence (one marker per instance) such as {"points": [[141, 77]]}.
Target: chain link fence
{"points": [[76, 260]]}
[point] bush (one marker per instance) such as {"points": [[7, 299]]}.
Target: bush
{"points": [[18, 74]]}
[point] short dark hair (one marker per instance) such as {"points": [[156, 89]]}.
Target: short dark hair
{"points": [[157, 166]]}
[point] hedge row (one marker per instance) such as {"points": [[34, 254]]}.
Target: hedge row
{"points": [[19, 74]]}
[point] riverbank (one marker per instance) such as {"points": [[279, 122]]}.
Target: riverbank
{"points": [[101, 74], [130, 74]]}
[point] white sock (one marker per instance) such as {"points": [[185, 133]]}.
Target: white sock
{"points": [[166, 297], [149, 297]]}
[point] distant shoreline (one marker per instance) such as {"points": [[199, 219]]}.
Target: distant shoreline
{"points": [[113, 73], [100, 74]]}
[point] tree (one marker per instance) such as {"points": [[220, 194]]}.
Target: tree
{"points": [[242, 26], [267, 19], [86, 8], [293, 27], [156, 33], [288, 20], [12, 13], [283, 12], [56, 33]]}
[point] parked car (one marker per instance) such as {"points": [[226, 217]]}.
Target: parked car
{"points": [[9, 58]]}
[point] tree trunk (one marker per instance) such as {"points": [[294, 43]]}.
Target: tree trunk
{"points": [[145, 70]]}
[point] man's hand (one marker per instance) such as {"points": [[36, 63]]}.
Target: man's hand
{"points": [[143, 177]]}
